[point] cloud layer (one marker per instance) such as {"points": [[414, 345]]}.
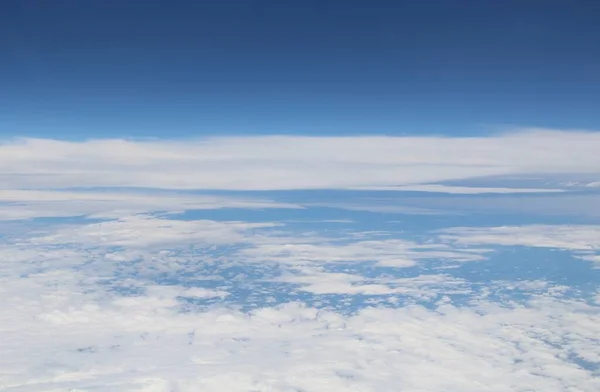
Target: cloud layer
{"points": [[144, 343], [118, 291], [26, 204], [138, 304], [282, 162]]}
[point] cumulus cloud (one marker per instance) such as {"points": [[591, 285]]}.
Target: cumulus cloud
{"points": [[71, 321], [144, 343], [293, 162], [260, 242], [422, 287]]}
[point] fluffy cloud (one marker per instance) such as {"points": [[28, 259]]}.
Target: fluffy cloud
{"points": [[53, 342], [67, 325]]}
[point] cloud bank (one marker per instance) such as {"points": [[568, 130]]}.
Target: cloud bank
{"points": [[138, 304], [146, 344], [293, 162], [138, 298]]}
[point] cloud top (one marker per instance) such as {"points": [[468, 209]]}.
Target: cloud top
{"points": [[292, 162]]}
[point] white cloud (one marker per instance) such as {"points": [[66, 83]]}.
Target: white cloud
{"points": [[439, 188], [293, 162], [62, 329], [336, 283], [558, 204], [424, 287], [572, 237], [386, 252], [26, 204], [594, 258], [64, 326], [145, 232], [592, 184], [263, 242], [68, 341], [173, 291], [584, 240], [384, 207]]}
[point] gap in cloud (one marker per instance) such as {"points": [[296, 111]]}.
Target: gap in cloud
{"points": [[250, 286], [246, 271], [520, 263], [475, 210]]}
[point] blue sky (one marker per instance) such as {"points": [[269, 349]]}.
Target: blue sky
{"points": [[184, 68], [278, 196]]}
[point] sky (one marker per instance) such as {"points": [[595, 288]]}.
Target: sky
{"points": [[194, 68], [277, 196]]}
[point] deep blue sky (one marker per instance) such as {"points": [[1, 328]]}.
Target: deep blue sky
{"points": [[73, 69]]}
